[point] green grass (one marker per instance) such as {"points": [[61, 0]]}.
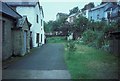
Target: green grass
{"points": [[56, 39], [87, 62], [90, 63]]}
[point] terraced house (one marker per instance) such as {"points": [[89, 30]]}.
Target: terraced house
{"points": [[34, 12]]}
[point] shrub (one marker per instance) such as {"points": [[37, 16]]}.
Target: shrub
{"points": [[71, 48], [89, 36]]}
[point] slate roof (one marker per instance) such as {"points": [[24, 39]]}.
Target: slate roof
{"points": [[26, 4], [9, 11], [21, 3], [113, 7], [74, 14], [42, 10], [61, 14], [21, 22], [100, 6]]}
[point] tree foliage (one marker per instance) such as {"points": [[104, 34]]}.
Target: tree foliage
{"points": [[74, 10], [80, 24], [55, 25], [88, 6]]}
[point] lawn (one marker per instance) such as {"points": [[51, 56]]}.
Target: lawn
{"points": [[56, 39], [90, 63], [87, 62]]}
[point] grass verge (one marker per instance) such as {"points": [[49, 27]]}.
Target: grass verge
{"points": [[89, 63], [57, 39]]}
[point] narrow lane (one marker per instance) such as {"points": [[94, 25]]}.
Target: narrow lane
{"points": [[45, 63]]}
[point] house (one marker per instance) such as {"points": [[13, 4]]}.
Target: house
{"points": [[85, 13], [21, 37], [8, 17], [35, 15], [98, 13], [86, 9], [15, 32], [72, 17], [115, 13], [61, 15]]}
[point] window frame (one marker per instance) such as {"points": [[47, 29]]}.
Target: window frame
{"points": [[37, 37], [37, 18]]}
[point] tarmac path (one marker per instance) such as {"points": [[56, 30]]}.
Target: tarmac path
{"points": [[47, 62]]}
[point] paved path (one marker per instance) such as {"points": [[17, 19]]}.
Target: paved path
{"points": [[45, 63]]}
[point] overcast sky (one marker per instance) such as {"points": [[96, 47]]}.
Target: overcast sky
{"points": [[51, 8]]}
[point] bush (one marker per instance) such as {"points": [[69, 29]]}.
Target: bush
{"points": [[98, 33], [71, 48], [89, 36]]}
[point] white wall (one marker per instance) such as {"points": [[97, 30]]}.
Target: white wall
{"points": [[31, 13], [39, 26]]}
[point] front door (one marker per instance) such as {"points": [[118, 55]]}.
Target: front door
{"points": [[25, 43]]}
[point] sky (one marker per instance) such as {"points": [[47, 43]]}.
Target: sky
{"points": [[51, 8]]}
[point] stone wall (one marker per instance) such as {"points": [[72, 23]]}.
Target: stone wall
{"points": [[17, 44], [7, 37], [26, 29], [18, 40]]}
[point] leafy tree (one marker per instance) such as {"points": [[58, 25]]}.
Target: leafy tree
{"points": [[88, 6], [48, 26], [80, 24], [55, 25], [74, 10]]}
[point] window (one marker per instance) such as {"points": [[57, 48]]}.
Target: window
{"points": [[41, 37], [91, 18], [3, 31], [37, 38], [41, 22], [98, 16], [37, 19], [108, 15]]}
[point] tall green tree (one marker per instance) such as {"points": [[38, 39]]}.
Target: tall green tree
{"points": [[74, 10], [48, 26]]}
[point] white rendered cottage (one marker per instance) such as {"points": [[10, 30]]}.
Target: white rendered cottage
{"points": [[35, 15]]}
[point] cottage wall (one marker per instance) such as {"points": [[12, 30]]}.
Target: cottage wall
{"points": [[0, 39], [40, 25], [26, 29], [17, 39], [31, 13], [7, 37], [19, 42]]}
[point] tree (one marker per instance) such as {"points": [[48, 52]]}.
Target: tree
{"points": [[74, 10], [48, 26], [81, 23], [88, 6], [55, 25]]}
